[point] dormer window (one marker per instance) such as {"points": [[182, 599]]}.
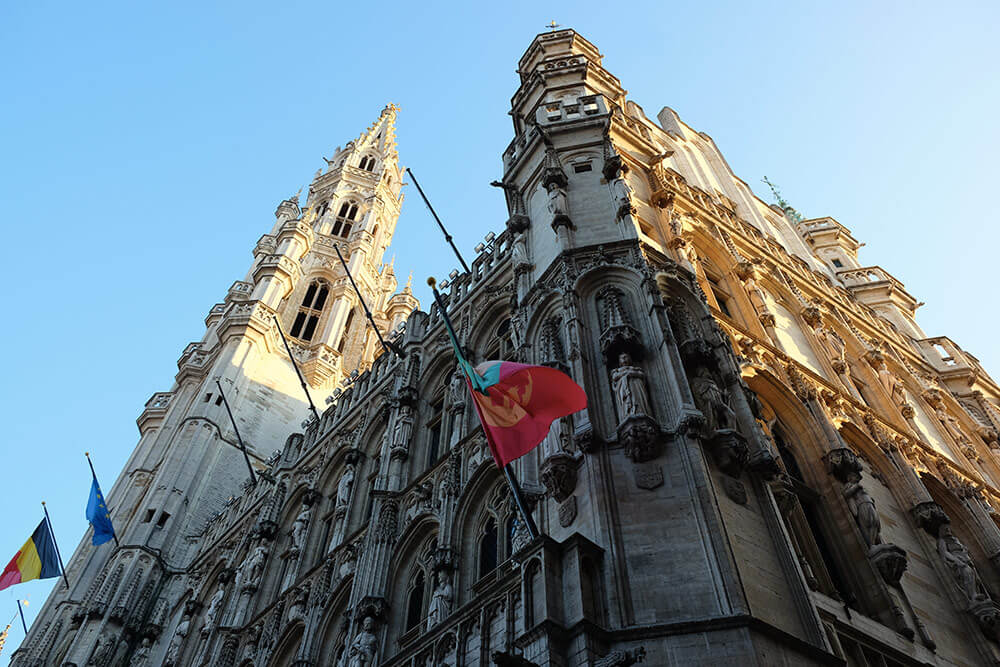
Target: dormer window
{"points": [[367, 163], [837, 263], [345, 219], [304, 327]]}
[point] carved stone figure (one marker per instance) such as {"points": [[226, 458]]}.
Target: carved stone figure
{"points": [[213, 610], [558, 204], [520, 537], [950, 424], [299, 528], [344, 486], [891, 383], [958, 560], [440, 605], [141, 656], [404, 427], [622, 192], [177, 641], [519, 254], [834, 346], [629, 383], [456, 390], [362, 651], [863, 508], [103, 651], [711, 401], [253, 567]]}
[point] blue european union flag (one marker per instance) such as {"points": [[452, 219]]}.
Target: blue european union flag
{"points": [[98, 515]]}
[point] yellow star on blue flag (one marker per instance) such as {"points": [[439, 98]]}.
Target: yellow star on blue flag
{"points": [[98, 515]]}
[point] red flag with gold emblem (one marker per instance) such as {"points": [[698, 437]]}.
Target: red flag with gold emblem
{"points": [[517, 404]]}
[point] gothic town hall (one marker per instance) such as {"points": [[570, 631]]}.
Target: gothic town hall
{"points": [[776, 466]]}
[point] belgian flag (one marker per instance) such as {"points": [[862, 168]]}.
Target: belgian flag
{"points": [[37, 559]]}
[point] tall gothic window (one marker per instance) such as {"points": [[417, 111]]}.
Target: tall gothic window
{"points": [[488, 548], [345, 219], [367, 163], [322, 209], [435, 426], [304, 327], [415, 602]]}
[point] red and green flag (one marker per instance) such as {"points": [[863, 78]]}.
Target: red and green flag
{"points": [[37, 559], [516, 403]]}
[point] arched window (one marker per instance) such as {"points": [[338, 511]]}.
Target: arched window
{"points": [[415, 602], [367, 163], [509, 534], [322, 209], [310, 311], [488, 548], [345, 219], [347, 331]]}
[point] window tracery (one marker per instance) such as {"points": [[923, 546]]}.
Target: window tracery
{"points": [[306, 320]]}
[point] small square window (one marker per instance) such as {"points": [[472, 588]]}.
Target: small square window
{"points": [[582, 167], [837, 263], [149, 516]]}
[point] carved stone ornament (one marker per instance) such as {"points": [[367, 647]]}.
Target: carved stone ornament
{"points": [[559, 476], [784, 493], [987, 615], [890, 561], [622, 658], [506, 659], [586, 440], [729, 450], [373, 607], [930, 516], [841, 463], [641, 438], [735, 490], [567, 512], [648, 476]]}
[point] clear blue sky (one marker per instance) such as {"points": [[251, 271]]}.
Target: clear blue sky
{"points": [[146, 145]]}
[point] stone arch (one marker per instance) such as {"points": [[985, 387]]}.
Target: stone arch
{"points": [[287, 646], [332, 638], [411, 561], [485, 335], [279, 558], [470, 514]]}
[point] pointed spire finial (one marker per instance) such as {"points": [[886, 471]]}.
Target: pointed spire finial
{"points": [[409, 284]]}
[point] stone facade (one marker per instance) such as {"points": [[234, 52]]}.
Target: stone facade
{"points": [[776, 465]]}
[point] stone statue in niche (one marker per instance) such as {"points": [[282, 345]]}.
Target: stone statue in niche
{"points": [[104, 651], [344, 486], [441, 599], [558, 204], [213, 610], [177, 641], [520, 537], [959, 562], [950, 424], [622, 192], [863, 509], [299, 528], [362, 651], [519, 254], [254, 566], [711, 401], [456, 390], [890, 382], [404, 427], [629, 382], [141, 656], [835, 347]]}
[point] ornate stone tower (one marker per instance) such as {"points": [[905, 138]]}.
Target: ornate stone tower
{"points": [[187, 463]]}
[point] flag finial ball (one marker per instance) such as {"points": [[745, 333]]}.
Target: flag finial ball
{"points": [[431, 281]]}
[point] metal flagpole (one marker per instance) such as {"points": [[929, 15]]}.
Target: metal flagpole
{"points": [[508, 471], [52, 534], [295, 365], [388, 346], [114, 533], [447, 236], [253, 477], [21, 612]]}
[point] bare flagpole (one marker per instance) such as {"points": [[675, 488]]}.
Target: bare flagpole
{"points": [[388, 346], [253, 477], [52, 534], [295, 365], [447, 236]]}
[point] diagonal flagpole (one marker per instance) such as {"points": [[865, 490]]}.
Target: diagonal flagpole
{"points": [[447, 236], [295, 365], [253, 477], [477, 382], [21, 612], [52, 534], [388, 346], [114, 533]]}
